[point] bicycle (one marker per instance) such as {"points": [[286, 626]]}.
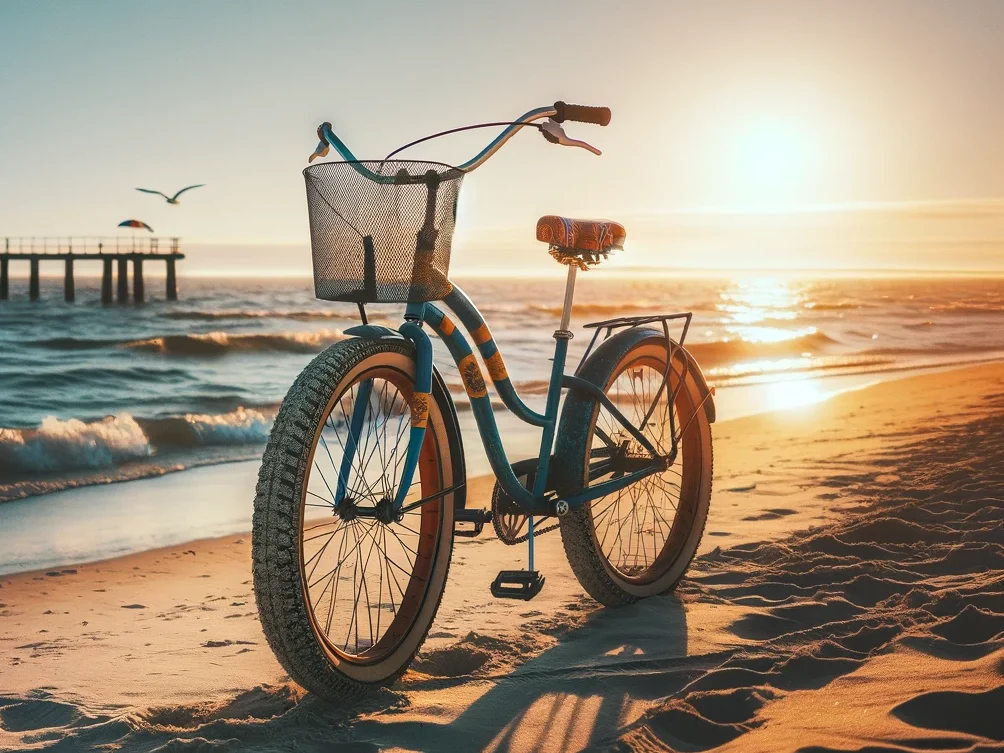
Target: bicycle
{"points": [[362, 486]]}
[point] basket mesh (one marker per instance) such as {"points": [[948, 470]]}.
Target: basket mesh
{"points": [[382, 242]]}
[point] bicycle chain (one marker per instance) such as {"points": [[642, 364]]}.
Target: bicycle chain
{"points": [[503, 504], [504, 538]]}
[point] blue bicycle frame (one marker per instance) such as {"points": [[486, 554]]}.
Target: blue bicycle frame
{"points": [[536, 501]]}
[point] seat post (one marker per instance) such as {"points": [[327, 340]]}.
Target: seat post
{"points": [[566, 311], [561, 336]]}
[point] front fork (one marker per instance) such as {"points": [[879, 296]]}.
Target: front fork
{"points": [[420, 401], [421, 397]]}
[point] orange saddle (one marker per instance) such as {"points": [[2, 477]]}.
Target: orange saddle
{"points": [[593, 237]]}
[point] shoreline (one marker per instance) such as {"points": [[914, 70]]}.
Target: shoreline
{"points": [[230, 483], [736, 398]]}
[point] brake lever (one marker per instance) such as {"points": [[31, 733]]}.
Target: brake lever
{"points": [[554, 133], [321, 151], [322, 147]]}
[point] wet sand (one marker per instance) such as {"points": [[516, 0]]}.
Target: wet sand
{"points": [[849, 593]]}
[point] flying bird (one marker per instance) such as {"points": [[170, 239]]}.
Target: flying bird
{"points": [[171, 199]]}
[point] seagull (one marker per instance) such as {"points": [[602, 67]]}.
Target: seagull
{"points": [[171, 199]]}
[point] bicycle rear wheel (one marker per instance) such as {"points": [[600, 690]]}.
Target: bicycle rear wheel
{"points": [[639, 541], [346, 600]]}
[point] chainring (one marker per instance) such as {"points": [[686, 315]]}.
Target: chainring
{"points": [[508, 518]]}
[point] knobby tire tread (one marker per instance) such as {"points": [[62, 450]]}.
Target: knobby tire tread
{"points": [[282, 607]]}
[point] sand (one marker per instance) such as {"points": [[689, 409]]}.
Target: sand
{"points": [[849, 595]]}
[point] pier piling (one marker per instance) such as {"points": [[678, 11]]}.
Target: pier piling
{"points": [[4, 264], [172, 281], [123, 280], [69, 295], [137, 280], [33, 283], [106, 281]]}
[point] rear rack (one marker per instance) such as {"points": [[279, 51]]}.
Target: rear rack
{"points": [[630, 322]]}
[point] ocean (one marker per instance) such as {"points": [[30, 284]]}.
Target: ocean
{"points": [[92, 394]]}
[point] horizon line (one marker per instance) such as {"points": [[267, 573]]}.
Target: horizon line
{"points": [[616, 272]]}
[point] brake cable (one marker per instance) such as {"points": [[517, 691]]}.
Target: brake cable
{"points": [[463, 128]]}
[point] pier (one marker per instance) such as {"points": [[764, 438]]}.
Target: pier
{"points": [[120, 250]]}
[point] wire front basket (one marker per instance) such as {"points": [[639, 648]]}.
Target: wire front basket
{"points": [[385, 240]]}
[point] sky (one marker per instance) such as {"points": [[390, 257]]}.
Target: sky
{"points": [[745, 134]]}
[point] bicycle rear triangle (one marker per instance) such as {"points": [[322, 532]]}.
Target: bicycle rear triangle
{"points": [[362, 488]]}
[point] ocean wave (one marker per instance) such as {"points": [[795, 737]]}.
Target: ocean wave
{"points": [[732, 373], [731, 351], [206, 344], [943, 348], [599, 309], [101, 376], [77, 343], [59, 445], [836, 306], [71, 445], [968, 307], [300, 315], [220, 343], [241, 426]]}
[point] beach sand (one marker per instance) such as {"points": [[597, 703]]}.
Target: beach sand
{"points": [[849, 595]]}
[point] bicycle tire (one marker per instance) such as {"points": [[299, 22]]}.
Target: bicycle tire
{"points": [[610, 583], [286, 603]]}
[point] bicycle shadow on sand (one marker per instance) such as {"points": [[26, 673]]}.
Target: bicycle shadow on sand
{"points": [[570, 696], [576, 693]]}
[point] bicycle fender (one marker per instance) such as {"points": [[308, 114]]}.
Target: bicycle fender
{"points": [[598, 369], [608, 354], [371, 331]]}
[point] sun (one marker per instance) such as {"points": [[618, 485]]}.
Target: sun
{"points": [[769, 162]]}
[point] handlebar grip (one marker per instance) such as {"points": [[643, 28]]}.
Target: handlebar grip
{"points": [[582, 114]]}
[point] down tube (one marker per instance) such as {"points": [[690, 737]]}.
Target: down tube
{"points": [[481, 405]]}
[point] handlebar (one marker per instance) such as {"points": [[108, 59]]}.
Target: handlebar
{"points": [[582, 114], [558, 112]]}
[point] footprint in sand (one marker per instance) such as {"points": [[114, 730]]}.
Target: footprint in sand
{"points": [[971, 713], [30, 715], [772, 513], [224, 643]]}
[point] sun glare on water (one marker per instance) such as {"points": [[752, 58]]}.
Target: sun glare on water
{"points": [[749, 306]]}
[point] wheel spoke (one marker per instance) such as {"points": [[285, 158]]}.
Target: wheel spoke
{"points": [[633, 525], [360, 566]]}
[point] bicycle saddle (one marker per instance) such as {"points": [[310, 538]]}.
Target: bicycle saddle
{"points": [[586, 240]]}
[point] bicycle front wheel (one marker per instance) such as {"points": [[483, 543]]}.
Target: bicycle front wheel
{"points": [[638, 541], [346, 600]]}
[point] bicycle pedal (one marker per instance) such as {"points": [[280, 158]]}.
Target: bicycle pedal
{"points": [[517, 584], [477, 518]]}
